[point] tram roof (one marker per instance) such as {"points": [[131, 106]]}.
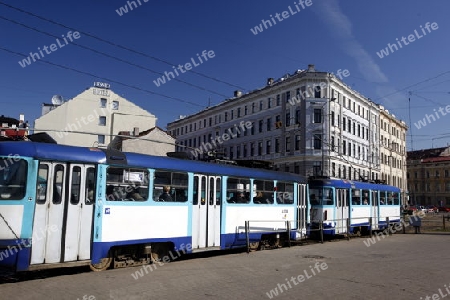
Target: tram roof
{"points": [[96, 155], [342, 183]]}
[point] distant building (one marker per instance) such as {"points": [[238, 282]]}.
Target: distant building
{"points": [[393, 151], [154, 141], [13, 129], [429, 176], [309, 122], [91, 118]]}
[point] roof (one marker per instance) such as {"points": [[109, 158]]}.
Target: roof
{"points": [[342, 183], [95, 155], [433, 154]]}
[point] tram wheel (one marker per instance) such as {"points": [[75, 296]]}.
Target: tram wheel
{"points": [[254, 246], [102, 265]]}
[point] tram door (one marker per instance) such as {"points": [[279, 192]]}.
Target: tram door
{"points": [[61, 225], [206, 212], [341, 210], [80, 209], [374, 213]]}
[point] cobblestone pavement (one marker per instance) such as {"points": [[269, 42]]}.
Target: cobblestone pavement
{"points": [[395, 267]]}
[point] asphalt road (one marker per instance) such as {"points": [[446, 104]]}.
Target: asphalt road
{"points": [[407, 266]]}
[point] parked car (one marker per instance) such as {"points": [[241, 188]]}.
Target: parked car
{"points": [[431, 209], [444, 209]]}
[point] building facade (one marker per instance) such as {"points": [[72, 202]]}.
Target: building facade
{"points": [[429, 176], [92, 118], [393, 151], [153, 141], [309, 122]]}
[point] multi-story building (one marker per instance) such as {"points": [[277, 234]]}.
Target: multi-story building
{"points": [[393, 150], [92, 118], [309, 123], [429, 176]]}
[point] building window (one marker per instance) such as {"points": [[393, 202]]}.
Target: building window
{"points": [[239, 112], [245, 151], [252, 149], [252, 130], [332, 118], [115, 105], [253, 107], [277, 145], [349, 126], [261, 105], [101, 139], [288, 119], [344, 147], [317, 167], [268, 146], [317, 115], [344, 122], [103, 102], [102, 121], [317, 141], [260, 123], [297, 142], [245, 110], [269, 124], [297, 116], [278, 100], [226, 116], [269, 102], [446, 173], [332, 143], [288, 144], [288, 96], [317, 91], [260, 145]]}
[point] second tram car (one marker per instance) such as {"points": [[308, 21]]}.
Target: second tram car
{"points": [[346, 206]]}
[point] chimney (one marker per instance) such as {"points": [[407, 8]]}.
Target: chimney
{"points": [[269, 81], [311, 68], [237, 93], [136, 131]]}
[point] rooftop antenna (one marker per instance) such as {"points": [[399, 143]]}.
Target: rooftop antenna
{"points": [[57, 100]]}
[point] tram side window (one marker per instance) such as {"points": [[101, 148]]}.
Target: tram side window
{"points": [[382, 198], [365, 197], [328, 196], [42, 182], [321, 196], [285, 193], [356, 197], [126, 184], [263, 191], [58, 181], [13, 178], [90, 186], [314, 196], [238, 190], [170, 186], [75, 185], [393, 199]]}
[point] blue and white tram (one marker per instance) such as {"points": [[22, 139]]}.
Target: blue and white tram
{"points": [[366, 205], [66, 206]]}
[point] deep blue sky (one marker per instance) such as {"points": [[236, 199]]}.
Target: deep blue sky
{"points": [[331, 34]]}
